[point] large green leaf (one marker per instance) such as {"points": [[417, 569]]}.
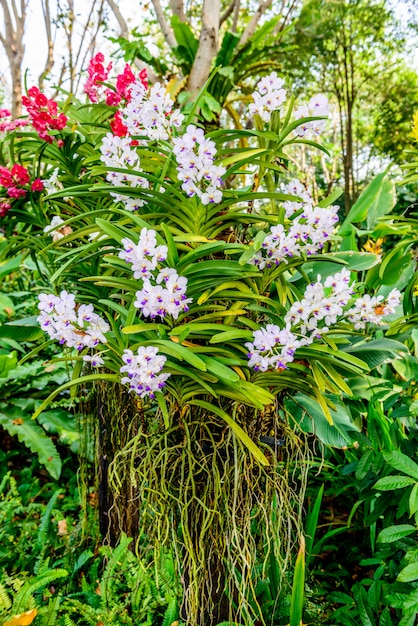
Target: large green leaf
{"points": [[7, 363], [187, 42], [230, 335], [179, 352], [385, 619], [26, 329], [395, 264], [326, 202], [246, 393], [407, 367], [394, 533], [311, 524], [227, 48], [394, 482], [12, 265], [337, 358], [413, 500], [402, 463], [220, 370], [377, 199], [410, 609], [377, 351], [365, 612], [62, 423], [332, 263], [310, 416], [6, 305], [409, 573], [18, 423]]}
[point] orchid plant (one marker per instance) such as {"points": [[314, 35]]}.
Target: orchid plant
{"points": [[189, 266]]}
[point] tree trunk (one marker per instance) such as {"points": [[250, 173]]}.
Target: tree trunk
{"points": [[17, 88], [165, 28], [252, 26], [177, 8], [12, 43], [348, 160], [208, 45]]}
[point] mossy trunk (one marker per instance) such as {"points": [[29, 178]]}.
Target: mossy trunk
{"points": [[195, 490], [119, 504]]}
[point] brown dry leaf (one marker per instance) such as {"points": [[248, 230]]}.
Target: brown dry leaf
{"points": [[62, 528], [17, 421], [23, 619]]}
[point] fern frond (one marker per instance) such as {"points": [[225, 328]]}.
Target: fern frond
{"points": [[137, 596], [171, 613], [42, 565], [4, 482], [50, 616], [93, 574], [5, 602], [85, 585], [68, 621], [25, 595], [117, 558], [85, 611], [167, 569], [43, 530], [15, 582]]}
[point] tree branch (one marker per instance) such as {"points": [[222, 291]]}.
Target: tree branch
{"points": [[124, 33], [124, 30], [50, 56], [251, 28], [236, 16], [7, 18], [14, 48], [93, 10], [90, 48], [166, 30], [281, 25], [15, 11], [227, 11]]}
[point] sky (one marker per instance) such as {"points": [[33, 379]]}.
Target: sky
{"points": [[35, 38]]}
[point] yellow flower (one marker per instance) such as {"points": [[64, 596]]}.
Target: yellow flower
{"points": [[414, 133], [373, 246]]}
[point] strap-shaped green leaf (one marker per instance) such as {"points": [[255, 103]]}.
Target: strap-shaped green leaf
{"points": [[239, 432], [114, 378], [298, 588]]}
